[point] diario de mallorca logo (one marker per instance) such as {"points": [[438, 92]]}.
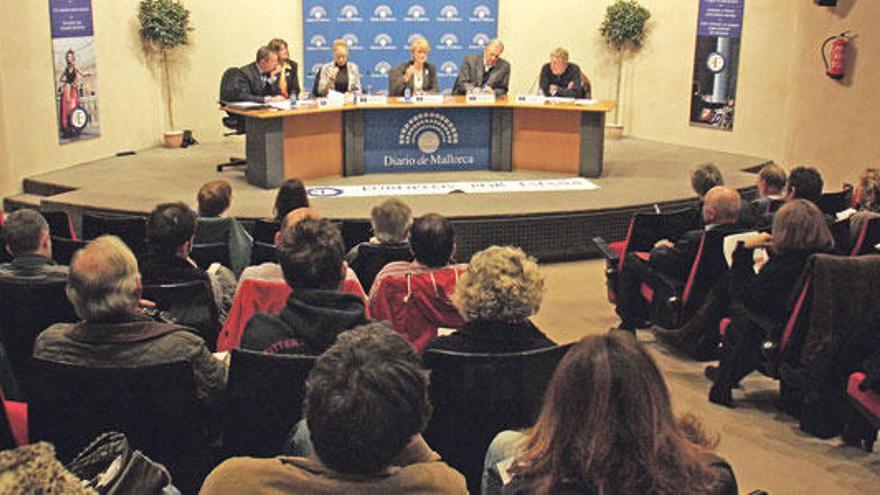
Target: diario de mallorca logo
{"points": [[317, 14], [411, 38], [448, 69], [416, 13], [383, 41], [428, 132], [449, 41], [317, 42], [449, 13], [349, 13], [383, 13], [352, 41], [482, 13], [480, 40]]}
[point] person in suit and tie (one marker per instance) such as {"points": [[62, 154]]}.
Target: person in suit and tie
{"points": [[561, 78], [486, 72], [257, 81], [288, 77], [416, 74]]}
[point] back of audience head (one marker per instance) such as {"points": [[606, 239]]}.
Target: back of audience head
{"points": [[432, 240], [869, 190], [214, 198], [292, 218], [391, 221], [805, 183], [800, 226], [771, 180], [104, 280], [366, 398], [607, 422], [704, 178], [721, 205], [501, 284], [27, 232], [170, 226], [291, 195], [312, 255]]}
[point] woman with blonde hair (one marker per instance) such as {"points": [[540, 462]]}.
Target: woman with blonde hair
{"points": [[607, 427], [867, 200], [501, 289], [340, 74], [416, 75]]}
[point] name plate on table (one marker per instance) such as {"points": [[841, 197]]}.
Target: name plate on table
{"points": [[531, 99], [372, 100], [432, 99], [481, 98], [560, 99], [331, 102]]}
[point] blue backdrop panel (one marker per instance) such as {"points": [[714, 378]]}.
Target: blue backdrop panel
{"points": [[426, 140], [379, 33]]}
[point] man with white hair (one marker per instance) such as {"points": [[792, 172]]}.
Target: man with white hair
{"points": [[104, 286], [484, 72], [561, 78]]}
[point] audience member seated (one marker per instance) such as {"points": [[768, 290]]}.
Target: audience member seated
{"points": [[170, 232], [415, 295], [867, 201], [804, 183], [366, 406], [291, 196], [721, 211], [758, 304], [501, 289], [707, 176], [258, 80], [311, 254], [105, 288], [27, 239], [607, 427], [561, 78], [391, 222], [771, 189], [214, 199], [799, 231]]}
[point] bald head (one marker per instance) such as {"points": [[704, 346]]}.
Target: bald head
{"points": [[721, 205], [104, 280]]}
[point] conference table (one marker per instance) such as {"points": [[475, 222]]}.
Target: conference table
{"points": [[322, 139]]}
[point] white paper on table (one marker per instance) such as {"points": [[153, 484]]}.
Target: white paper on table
{"points": [[585, 101], [281, 105], [560, 99], [245, 104]]}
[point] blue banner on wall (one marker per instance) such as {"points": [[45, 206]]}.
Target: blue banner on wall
{"points": [[716, 63], [379, 33], [426, 140]]}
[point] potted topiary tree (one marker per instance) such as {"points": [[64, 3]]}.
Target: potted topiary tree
{"points": [[624, 30], [164, 27]]}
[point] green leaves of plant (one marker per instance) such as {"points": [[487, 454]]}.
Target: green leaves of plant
{"points": [[625, 23], [164, 23]]}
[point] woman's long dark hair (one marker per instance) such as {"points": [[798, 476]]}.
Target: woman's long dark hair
{"points": [[607, 424], [291, 195]]}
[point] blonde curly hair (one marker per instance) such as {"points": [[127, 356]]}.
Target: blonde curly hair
{"points": [[501, 284]]}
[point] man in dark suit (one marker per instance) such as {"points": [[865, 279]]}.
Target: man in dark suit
{"points": [[256, 81], [672, 261], [487, 71], [417, 74]]}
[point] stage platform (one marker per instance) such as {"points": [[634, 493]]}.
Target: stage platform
{"points": [[549, 225]]}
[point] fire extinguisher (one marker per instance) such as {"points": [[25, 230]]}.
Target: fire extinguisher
{"points": [[836, 69]]}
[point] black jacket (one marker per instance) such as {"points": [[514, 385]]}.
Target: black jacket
{"points": [[247, 85], [766, 294], [396, 86], [483, 336], [572, 75], [675, 262], [308, 324]]}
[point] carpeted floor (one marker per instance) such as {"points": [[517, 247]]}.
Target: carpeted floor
{"points": [[764, 446]]}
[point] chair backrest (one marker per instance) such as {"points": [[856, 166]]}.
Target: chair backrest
{"points": [[315, 85], [228, 86], [265, 394], [709, 264], [253, 296], [648, 228], [190, 304], [372, 258], [869, 236], [63, 249], [833, 202], [475, 396], [59, 224], [26, 309], [131, 229], [213, 252], [263, 252], [840, 232], [264, 230]]}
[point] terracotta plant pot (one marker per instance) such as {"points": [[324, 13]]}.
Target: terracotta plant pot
{"points": [[173, 139]]}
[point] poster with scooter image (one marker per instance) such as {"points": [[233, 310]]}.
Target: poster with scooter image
{"points": [[76, 79]]}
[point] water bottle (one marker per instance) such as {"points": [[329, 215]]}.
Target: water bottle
{"points": [[407, 93]]}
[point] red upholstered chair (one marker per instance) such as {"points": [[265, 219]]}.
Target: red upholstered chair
{"points": [[867, 402], [869, 236], [416, 305], [263, 296], [13, 423], [59, 224]]}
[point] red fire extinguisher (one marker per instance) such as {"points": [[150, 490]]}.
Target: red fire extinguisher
{"points": [[836, 69]]}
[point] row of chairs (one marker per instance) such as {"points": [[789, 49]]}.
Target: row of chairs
{"points": [[475, 396]]}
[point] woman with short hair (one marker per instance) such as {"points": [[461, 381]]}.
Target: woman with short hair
{"points": [[288, 76], [417, 74], [340, 75], [607, 426]]}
